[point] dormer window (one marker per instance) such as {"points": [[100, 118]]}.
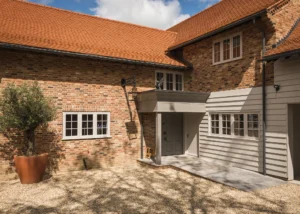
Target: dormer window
{"points": [[227, 49], [172, 81]]}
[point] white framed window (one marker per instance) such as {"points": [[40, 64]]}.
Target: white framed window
{"points": [[165, 80], [240, 125], [227, 49], [215, 124], [226, 126], [86, 125]]}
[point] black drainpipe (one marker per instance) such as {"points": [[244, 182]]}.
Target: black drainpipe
{"points": [[264, 103]]}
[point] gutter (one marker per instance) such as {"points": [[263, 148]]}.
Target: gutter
{"points": [[264, 103], [219, 30], [285, 54], [90, 56]]}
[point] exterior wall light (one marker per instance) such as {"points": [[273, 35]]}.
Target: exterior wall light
{"points": [[277, 87]]}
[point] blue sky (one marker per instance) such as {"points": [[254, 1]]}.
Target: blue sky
{"points": [[154, 13]]}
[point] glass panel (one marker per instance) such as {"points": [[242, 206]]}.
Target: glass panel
{"points": [[238, 124], [217, 52], [236, 46], [105, 117], [226, 49], [87, 124], [68, 125], [74, 125], [74, 117], [74, 132], [68, 132], [159, 81], [169, 81], [71, 125], [178, 82]]}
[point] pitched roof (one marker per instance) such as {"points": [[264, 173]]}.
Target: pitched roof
{"points": [[34, 25], [288, 45], [222, 14]]}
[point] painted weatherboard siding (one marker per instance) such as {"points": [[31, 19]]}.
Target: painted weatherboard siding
{"points": [[287, 75], [247, 153]]}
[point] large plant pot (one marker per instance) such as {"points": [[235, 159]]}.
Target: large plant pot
{"points": [[31, 169]]}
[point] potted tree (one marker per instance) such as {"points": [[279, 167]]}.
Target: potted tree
{"points": [[23, 109]]}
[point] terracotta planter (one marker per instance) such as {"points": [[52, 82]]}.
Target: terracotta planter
{"points": [[31, 169]]}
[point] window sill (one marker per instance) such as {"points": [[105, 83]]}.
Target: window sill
{"points": [[227, 61], [86, 138], [234, 137]]}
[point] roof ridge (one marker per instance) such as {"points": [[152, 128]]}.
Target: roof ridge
{"points": [[197, 14], [282, 40], [91, 16]]}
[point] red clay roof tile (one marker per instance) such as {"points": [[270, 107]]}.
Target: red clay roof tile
{"points": [[40, 26], [289, 44], [219, 15]]}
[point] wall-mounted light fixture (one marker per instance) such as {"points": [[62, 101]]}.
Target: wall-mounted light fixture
{"points": [[277, 87]]}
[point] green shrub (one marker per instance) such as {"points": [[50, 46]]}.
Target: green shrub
{"points": [[25, 108]]}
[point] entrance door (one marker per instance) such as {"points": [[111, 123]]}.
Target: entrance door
{"points": [[294, 138], [172, 134], [191, 132]]}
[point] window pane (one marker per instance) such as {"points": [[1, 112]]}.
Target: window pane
{"points": [[102, 124], [217, 52], [104, 117], [68, 125], [226, 124], [68, 132], [214, 123], [68, 117], [169, 81], [253, 125], [178, 82], [226, 49], [71, 125], [74, 132], [87, 124], [74, 117], [159, 81], [236, 46], [238, 124]]}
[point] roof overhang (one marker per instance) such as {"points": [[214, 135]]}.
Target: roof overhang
{"points": [[90, 56], [280, 55], [172, 101], [219, 30]]}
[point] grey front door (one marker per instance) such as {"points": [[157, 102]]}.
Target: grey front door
{"points": [[172, 134]]}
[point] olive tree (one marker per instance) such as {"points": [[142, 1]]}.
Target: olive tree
{"points": [[24, 108]]}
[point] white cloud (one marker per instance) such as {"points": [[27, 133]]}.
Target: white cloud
{"points": [[153, 13], [209, 3]]}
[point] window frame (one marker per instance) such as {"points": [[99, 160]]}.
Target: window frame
{"points": [[174, 73], [221, 41], [246, 136], [79, 126]]}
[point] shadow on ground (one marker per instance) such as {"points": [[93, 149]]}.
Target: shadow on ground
{"points": [[141, 189]]}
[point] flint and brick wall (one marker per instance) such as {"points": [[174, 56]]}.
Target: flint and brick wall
{"points": [[77, 84]]}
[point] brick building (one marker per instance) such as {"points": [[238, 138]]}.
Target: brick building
{"points": [[199, 88]]}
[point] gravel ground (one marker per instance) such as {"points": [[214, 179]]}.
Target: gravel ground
{"points": [[141, 189]]}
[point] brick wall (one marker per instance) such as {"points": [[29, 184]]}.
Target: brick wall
{"points": [[245, 72], [283, 17], [77, 84], [242, 73]]}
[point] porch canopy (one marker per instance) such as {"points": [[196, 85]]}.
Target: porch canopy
{"points": [[171, 101], [161, 102]]}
